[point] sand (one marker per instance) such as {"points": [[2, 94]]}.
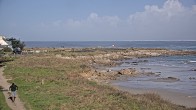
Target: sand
{"points": [[171, 96]]}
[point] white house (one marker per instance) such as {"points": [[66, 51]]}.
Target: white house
{"points": [[2, 41]]}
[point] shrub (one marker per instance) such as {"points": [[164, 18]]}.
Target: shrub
{"points": [[16, 43], [7, 49]]}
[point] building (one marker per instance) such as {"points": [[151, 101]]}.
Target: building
{"points": [[3, 43]]}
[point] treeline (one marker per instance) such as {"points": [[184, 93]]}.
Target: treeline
{"points": [[15, 45]]}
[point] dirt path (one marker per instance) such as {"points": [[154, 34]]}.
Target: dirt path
{"points": [[17, 105]]}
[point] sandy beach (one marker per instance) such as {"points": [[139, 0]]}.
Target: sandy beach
{"points": [[171, 96]]}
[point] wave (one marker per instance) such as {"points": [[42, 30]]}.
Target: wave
{"points": [[170, 65], [157, 64], [193, 61]]}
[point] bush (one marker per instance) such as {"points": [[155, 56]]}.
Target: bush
{"points": [[16, 43], [7, 49]]}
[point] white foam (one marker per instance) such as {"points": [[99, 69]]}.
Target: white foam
{"points": [[192, 61]]}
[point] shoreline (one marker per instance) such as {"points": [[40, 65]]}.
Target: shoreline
{"points": [[174, 97], [97, 61], [101, 73]]}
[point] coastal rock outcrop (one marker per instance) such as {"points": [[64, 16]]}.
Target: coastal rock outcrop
{"points": [[168, 79], [193, 69], [127, 71], [192, 78]]}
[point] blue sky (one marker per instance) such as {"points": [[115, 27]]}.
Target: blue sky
{"points": [[98, 20]]}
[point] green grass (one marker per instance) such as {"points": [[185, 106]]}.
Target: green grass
{"points": [[56, 84], [3, 104], [85, 51]]}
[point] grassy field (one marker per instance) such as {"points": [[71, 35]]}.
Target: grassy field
{"points": [[3, 104], [50, 83]]}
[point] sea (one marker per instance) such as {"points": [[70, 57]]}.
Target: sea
{"points": [[181, 67], [179, 45]]}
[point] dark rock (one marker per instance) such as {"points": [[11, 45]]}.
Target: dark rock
{"points": [[168, 79], [193, 69], [173, 78], [127, 62], [191, 78], [149, 73]]}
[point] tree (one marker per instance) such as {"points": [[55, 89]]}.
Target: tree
{"points": [[16, 43]]}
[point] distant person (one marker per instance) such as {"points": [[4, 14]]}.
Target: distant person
{"points": [[13, 89]]}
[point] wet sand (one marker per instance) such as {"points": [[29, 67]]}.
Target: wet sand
{"points": [[172, 96]]}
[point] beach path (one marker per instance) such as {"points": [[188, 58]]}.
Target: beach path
{"points": [[17, 105]]}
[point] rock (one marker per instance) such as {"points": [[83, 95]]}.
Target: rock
{"points": [[127, 62], [142, 61], [135, 63], [120, 73], [168, 79], [193, 69], [128, 71], [173, 78], [109, 70], [157, 75], [149, 73], [191, 78]]}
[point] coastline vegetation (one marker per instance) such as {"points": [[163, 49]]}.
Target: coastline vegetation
{"points": [[3, 104], [49, 82]]}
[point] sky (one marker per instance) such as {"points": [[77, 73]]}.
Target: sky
{"points": [[98, 20]]}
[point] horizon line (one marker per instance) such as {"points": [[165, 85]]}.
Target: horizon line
{"points": [[105, 40]]}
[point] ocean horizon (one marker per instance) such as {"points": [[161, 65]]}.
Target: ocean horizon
{"points": [[174, 45]]}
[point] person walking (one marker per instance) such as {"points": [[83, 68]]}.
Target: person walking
{"points": [[13, 89]]}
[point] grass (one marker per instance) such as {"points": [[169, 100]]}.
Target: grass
{"points": [[47, 82], [84, 51], [3, 104]]}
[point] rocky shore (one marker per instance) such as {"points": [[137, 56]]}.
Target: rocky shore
{"points": [[94, 64], [98, 59]]}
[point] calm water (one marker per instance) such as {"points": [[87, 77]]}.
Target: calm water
{"points": [[180, 67], [188, 45], [173, 66]]}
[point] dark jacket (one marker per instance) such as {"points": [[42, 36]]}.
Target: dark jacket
{"points": [[13, 87]]}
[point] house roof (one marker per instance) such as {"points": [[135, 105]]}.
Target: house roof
{"points": [[2, 42]]}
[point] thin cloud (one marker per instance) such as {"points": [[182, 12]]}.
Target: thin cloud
{"points": [[172, 21]]}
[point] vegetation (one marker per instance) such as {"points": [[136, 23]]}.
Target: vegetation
{"points": [[3, 104], [7, 49], [48, 82], [84, 51], [5, 59], [16, 43]]}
